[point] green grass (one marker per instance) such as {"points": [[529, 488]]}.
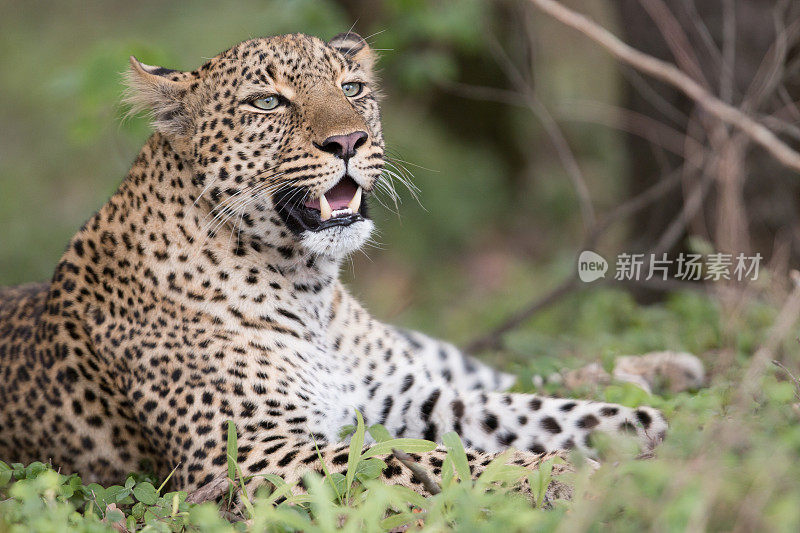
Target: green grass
{"points": [[40, 499], [727, 461]]}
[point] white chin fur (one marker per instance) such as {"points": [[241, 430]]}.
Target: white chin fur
{"points": [[338, 241]]}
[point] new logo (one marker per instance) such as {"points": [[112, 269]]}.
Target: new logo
{"points": [[591, 266]]}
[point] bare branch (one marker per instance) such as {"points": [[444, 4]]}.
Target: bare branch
{"points": [[649, 93], [787, 317], [637, 203], [654, 131], [704, 166], [675, 38], [782, 126], [668, 73], [726, 77], [770, 72], [789, 373], [210, 491], [567, 159], [417, 469], [493, 339], [553, 131], [486, 94], [691, 207], [703, 32]]}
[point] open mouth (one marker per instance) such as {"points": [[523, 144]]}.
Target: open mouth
{"points": [[341, 205]]}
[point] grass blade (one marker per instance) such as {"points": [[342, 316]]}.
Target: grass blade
{"points": [[405, 445], [455, 449], [233, 454], [356, 446]]}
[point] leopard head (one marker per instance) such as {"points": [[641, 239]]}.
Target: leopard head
{"points": [[282, 136]]}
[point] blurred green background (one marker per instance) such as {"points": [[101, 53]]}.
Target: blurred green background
{"points": [[496, 207]]}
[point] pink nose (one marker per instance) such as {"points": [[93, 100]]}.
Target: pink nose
{"points": [[344, 146]]}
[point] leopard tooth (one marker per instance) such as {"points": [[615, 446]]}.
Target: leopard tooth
{"points": [[355, 203], [324, 208]]}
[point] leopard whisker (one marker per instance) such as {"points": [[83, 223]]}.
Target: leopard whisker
{"points": [[229, 210], [224, 209], [381, 188], [223, 205]]}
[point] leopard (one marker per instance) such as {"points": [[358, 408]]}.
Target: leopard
{"points": [[207, 290]]}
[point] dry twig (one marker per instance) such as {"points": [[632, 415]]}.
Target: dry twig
{"points": [[780, 329], [119, 525], [492, 340], [676, 38], [654, 131], [670, 74], [417, 469], [210, 491], [552, 129], [791, 376]]}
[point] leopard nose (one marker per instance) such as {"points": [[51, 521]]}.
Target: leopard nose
{"points": [[344, 146]]}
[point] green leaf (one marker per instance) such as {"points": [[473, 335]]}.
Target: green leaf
{"points": [[278, 481], [66, 491], [180, 494], [338, 482], [151, 518], [146, 493], [95, 492], [455, 449], [137, 511], [281, 487], [34, 469], [327, 473], [115, 516], [356, 445], [406, 495], [369, 469], [397, 520], [405, 445], [113, 494], [346, 431], [297, 499], [379, 433], [322, 507], [5, 474], [540, 480], [499, 472], [244, 496], [290, 517], [448, 472], [233, 450]]}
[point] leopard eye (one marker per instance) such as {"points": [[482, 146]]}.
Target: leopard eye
{"points": [[352, 88], [267, 103]]}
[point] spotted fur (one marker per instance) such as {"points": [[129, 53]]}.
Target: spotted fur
{"points": [[195, 295]]}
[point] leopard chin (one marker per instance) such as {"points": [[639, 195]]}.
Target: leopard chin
{"points": [[338, 241]]}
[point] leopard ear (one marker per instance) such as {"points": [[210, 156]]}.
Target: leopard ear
{"points": [[354, 46], [161, 93]]}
